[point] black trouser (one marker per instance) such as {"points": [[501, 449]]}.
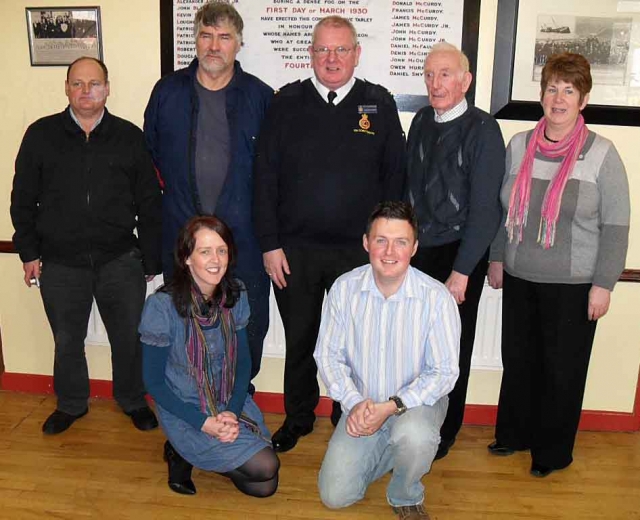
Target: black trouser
{"points": [[257, 285], [119, 289], [437, 262], [313, 271], [546, 346]]}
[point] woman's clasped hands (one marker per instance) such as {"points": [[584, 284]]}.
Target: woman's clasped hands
{"points": [[223, 426]]}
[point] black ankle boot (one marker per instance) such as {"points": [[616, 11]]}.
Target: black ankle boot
{"points": [[179, 471]]}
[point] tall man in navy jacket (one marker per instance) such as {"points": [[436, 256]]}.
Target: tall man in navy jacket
{"points": [[201, 126]]}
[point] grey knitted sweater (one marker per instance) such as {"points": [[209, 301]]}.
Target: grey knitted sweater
{"points": [[593, 227]]}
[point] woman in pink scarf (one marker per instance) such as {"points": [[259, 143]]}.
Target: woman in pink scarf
{"points": [[563, 247]]}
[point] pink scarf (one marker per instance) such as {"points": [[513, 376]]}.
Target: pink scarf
{"points": [[569, 148]]}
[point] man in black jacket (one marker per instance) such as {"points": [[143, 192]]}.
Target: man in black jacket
{"points": [[331, 148], [83, 182]]}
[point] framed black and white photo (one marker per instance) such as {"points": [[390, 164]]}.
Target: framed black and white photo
{"points": [[59, 35], [606, 32]]}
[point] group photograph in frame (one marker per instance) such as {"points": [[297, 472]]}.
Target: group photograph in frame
{"points": [[603, 41], [606, 32], [60, 35]]}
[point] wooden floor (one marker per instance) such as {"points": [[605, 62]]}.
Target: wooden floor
{"points": [[103, 468]]}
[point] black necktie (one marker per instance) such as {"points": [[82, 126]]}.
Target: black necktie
{"points": [[331, 96]]}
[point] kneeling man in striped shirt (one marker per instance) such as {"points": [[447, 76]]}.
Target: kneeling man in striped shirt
{"points": [[388, 352]]}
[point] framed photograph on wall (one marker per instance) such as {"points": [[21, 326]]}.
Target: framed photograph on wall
{"points": [[606, 32], [59, 35]]}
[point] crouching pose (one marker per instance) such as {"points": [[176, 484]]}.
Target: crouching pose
{"points": [[197, 366], [388, 352]]}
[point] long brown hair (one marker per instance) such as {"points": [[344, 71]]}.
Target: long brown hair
{"points": [[228, 290]]}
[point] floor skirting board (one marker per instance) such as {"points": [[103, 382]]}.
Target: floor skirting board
{"points": [[270, 402]]}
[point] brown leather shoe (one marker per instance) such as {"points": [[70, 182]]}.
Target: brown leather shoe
{"points": [[416, 512]]}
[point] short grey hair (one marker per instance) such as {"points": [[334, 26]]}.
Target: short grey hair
{"points": [[337, 22], [449, 47], [215, 12]]}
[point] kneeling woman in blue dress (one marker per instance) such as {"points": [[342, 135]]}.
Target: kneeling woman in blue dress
{"points": [[196, 366]]}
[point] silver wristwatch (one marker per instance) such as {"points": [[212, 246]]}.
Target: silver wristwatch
{"points": [[401, 407]]}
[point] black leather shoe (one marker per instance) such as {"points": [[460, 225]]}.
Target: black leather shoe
{"points": [[540, 471], [60, 421], [443, 448], [287, 437], [143, 419], [502, 450], [336, 413], [179, 472]]}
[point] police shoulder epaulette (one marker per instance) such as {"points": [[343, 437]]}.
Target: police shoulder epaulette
{"points": [[377, 92], [290, 89]]}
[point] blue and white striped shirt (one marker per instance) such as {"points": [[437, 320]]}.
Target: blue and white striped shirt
{"points": [[405, 345]]}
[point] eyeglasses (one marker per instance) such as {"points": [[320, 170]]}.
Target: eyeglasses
{"points": [[323, 52]]}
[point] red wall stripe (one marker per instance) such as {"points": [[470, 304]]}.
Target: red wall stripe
{"points": [[270, 402]]}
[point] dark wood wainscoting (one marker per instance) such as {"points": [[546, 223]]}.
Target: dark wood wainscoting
{"points": [[6, 246]]}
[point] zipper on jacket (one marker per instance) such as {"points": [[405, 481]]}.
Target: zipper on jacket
{"points": [[89, 200], [89, 210]]}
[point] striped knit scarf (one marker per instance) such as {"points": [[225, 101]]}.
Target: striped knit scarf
{"points": [[569, 148], [202, 315]]}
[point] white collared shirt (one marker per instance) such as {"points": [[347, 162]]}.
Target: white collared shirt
{"points": [[341, 92], [450, 115], [75, 118]]}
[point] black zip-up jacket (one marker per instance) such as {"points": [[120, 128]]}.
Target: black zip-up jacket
{"points": [[76, 200]]}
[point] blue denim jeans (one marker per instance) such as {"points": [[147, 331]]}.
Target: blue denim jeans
{"points": [[405, 444]]}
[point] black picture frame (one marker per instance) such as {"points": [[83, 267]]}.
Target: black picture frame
{"points": [[66, 37], [406, 103], [502, 104]]}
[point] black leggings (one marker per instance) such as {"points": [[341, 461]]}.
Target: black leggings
{"points": [[258, 476]]}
